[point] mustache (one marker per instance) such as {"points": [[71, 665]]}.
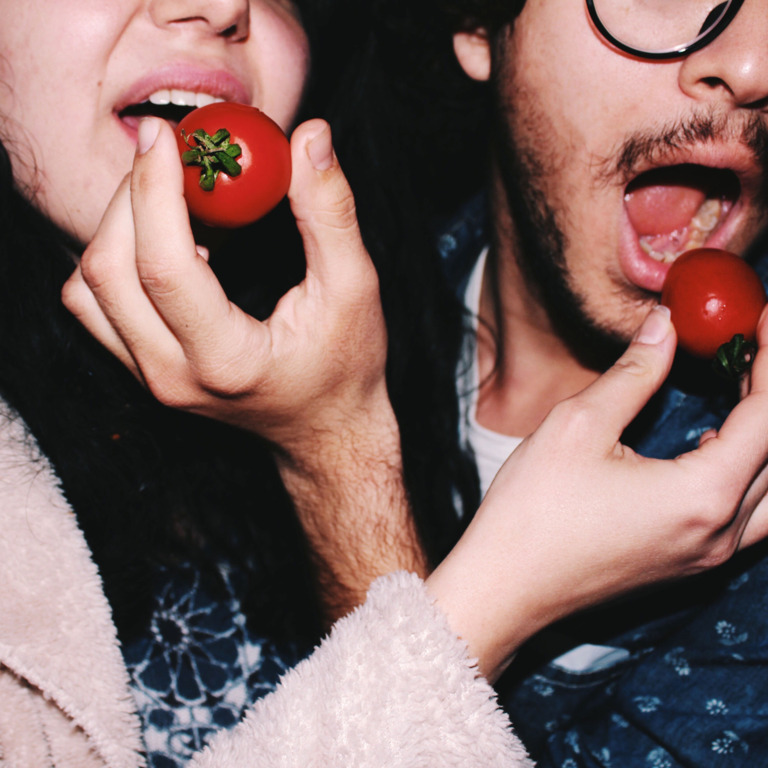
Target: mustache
{"points": [[657, 147]]}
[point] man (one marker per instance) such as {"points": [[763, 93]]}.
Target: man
{"points": [[624, 133]]}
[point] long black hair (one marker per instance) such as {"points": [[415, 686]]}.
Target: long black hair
{"points": [[407, 128]]}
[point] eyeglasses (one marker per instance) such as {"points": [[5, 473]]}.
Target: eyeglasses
{"points": [[661, 29]]}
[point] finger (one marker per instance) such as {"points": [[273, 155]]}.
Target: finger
{"points": [[106, 278], [622, 391], [742, 440], [175, 277], [109, 267], [324, 207], [707, 435], [78, 298], [758, 375], [755, 506]]}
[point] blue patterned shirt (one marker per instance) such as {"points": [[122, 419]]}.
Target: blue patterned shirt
{"points": [[198, 667]]}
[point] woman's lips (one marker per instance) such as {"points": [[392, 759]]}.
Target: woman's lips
{"points": [[174, 80]]}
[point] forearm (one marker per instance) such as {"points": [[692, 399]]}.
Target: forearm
{"points": [[349, 495]]}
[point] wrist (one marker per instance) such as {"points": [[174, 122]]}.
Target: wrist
{"points": [[489, 603]]}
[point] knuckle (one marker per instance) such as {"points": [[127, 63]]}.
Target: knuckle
{"points": [[338, 213], [573, 417], [711, 529], [224, 380], [143, 182], [96, 267], [633, 365], [717, 551], [170, 387], [75, 296], [157, 276]]}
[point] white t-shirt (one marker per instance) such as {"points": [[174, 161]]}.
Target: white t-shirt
{"points": [[491, 449]]}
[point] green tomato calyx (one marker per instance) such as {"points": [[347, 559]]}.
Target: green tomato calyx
{"points": [[213, 154], [734, 358]]}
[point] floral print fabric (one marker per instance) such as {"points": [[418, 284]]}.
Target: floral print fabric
{"points": [[198, 667]]}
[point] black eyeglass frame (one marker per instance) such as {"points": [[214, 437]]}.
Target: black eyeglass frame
{"points": [[671, 53]]}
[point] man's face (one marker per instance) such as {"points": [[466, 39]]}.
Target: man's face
{"points": [[610, 165]]}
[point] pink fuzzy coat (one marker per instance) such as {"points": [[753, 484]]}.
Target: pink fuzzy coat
{"points": [[390, 686]]}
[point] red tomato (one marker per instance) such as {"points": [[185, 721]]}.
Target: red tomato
{"points": [[712, 295], [264, 158]]}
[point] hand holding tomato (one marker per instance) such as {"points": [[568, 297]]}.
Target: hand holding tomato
{"points": [[144, 291], [237, 164], [716, 300], [574, 517], [310, 379]]}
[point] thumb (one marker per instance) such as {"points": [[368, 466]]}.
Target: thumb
{"points": [[622, 391], [324, 206]]}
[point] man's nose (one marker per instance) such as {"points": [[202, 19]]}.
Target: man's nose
{"points": [[733, 69], [230, 18]]}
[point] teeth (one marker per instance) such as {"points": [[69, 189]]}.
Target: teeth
{"points": [[181, 98], [706, 217], [694, 235]]}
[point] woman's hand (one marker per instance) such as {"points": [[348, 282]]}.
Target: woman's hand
{"points": [[310, 379], [575, 518]]}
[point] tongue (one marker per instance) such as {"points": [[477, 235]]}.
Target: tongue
{"points": [[660, 202]]}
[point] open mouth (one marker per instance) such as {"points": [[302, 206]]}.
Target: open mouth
{"points": [[677, 208], [169, 104]]}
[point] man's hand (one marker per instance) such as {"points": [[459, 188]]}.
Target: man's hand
{"points": [[310, 379]]}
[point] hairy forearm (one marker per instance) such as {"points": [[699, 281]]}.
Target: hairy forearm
{"points": [[349, 495]]}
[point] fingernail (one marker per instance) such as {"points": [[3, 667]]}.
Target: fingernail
{"points": [[320, 150], [148, 130], [656, 326]]}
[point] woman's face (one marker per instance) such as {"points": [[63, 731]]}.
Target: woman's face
{"points": [[77, 75]]}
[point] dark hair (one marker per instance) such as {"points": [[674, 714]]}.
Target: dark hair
{"points": [[150, 486], [402, 112], [491, 15]]}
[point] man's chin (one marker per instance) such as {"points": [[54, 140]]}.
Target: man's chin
{"points": [[595, 347]]}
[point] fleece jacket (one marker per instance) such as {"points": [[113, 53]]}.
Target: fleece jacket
{"points": [[390, 686]]}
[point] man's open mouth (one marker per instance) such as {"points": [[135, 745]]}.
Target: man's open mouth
{"points": [[677, 208]]}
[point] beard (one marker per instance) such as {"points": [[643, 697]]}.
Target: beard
{"points": [[528, 156], [539, 249]]}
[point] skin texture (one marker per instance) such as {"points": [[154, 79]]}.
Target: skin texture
{"points": [[290, 379], [576, 149], [553, 553]]}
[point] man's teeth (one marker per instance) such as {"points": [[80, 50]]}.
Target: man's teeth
{"points": [[181, 98], [668, 247]]}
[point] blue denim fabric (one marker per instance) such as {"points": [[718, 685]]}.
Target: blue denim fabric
{"points": [[693, 690]]}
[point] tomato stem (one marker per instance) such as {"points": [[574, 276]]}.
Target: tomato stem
{"points": [[213, 154], [734, 358]]}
